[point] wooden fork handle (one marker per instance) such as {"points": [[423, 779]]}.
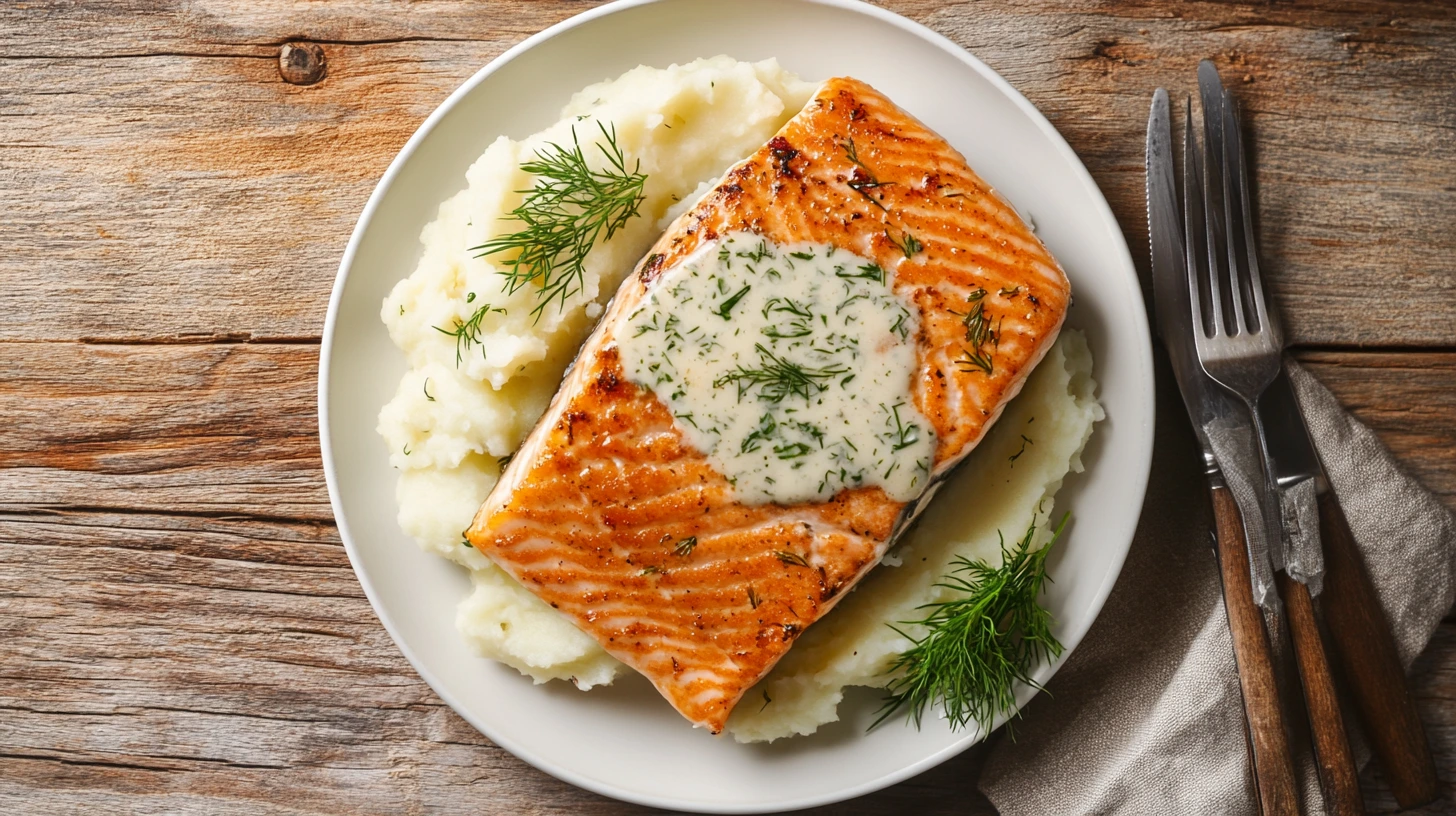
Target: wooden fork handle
{"points": [[1364, 649], [1273, 763], [1339, 781]]}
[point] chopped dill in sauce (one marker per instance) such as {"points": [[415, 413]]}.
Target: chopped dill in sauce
{"points": [[790, 366]]}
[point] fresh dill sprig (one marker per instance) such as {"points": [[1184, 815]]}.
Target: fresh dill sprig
{"points": [[979, 645], [870, 271], [863, 179], [686, 546], [901, 436], [569, 208], [978, 328], [778, 378], [467, 332], [979, 333]]}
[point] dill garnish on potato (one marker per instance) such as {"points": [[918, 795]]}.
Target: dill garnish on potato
{"points": [[564, 214], [979, 645]]}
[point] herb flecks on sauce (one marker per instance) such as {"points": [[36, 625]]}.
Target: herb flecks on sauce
{"points": [[804, 389], [571, 207]]}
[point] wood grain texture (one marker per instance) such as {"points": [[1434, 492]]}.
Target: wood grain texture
{"points": [[131, 118], [1273, 761], [1334, 761], [181, 630], [1366, 653]]}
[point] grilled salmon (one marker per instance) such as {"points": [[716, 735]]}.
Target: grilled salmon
{"points": [[612, 514]]}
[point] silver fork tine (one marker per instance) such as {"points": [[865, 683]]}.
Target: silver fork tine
{"points": [[1245, 253], [1235, 348], [1220, 285]]}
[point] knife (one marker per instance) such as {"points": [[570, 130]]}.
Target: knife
{"points": [[1364, 646], [1209, 408]]}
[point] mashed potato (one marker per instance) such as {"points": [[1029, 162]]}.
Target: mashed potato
{"points": [[989, 495], [453, 419]]}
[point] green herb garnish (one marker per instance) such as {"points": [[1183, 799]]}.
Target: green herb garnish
{"points": [[866, 272], [907, 244], [979, 334], [686, 546], [569, 208], [980, 645], [778, 378], [725, 311], [863, 179], [901, 436], [467, 332]]}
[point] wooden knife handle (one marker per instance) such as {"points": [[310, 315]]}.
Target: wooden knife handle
{"points": [[1365, 652], [1339, 781], [1273, 764]]}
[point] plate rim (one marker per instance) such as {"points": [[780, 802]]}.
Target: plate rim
{"points": [[1142, 456]]}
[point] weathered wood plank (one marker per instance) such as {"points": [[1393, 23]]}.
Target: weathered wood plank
{"points": [[201, 429], [230, 429], [1409, 400], [182, 677], [181, 630], [181, 622], [188, 191], [186, 675]]}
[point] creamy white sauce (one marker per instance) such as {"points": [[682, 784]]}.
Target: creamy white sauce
{"points": [[789, 366]]}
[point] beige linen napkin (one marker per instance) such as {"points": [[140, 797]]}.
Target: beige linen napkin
{"points": [[1145, 717]]}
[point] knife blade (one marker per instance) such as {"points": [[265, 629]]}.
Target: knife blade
{"points": [[1297, 474], [1214, 415], [1223, 429]]}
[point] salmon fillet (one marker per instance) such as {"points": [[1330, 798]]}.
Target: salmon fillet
{"points": [[586, 513]]}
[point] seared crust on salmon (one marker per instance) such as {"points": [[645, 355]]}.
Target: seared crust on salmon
{"points": [[592, 510]]}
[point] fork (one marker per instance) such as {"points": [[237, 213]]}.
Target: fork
{"points": [[1240, 346]]}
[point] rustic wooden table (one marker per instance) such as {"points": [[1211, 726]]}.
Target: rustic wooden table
{"points": [[179, 627]]}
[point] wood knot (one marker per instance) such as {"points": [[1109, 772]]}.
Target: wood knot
{"points": [[302, 63]]}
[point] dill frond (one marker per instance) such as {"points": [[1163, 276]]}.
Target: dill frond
{"points": [[979, 333], [908, 244], [466, 332], [980, 645], [778, 378], [564, 214]]}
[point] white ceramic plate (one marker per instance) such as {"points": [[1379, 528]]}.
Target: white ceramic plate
{"points": [[624, 741]]}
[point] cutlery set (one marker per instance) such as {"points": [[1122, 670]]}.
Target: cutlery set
{"points": [[1287, 559]]}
